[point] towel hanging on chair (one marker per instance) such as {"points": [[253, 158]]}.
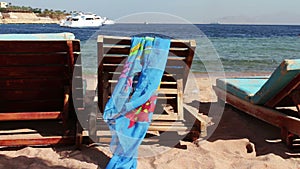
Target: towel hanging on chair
{"points": [[129, 111]]}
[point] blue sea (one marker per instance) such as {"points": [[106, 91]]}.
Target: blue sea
{"points": [[220, 47]]}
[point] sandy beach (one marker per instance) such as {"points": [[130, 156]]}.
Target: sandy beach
{"points": [[237, 141]]}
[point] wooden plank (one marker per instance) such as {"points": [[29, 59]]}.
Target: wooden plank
{"points": [[166, 76], [33, 94], [116, 41], [165, 98], [123, 50], [76, 46], [168, 91], [155, 126], [105, 92], [38, 141], [296, 99], [33, 46], [180, 99], [102, 76], [31, 72], [295, 83], [164, 117], [15, 84], [32, 59], [165, 91], [27, 105], [167, 123], [188, 61], [268, 115], [70, 58], [127, 41], [163, 82], [30, 116], [119, 68], [167, 128], [110, 58]]}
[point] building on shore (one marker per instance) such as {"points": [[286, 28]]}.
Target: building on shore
{"points": [[3, 4], [27, 17]]}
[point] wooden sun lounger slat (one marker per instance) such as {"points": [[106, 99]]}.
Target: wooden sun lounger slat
{"points": [[30, 94], [116, 68], [118, 40], [294, 84], [38, 141], [30, 46], [163, 82], [35, 72], [11, 116], [32, 59], [122, 50], [166, 76], [119, 62], [117, 59], [40, 105], [31, 83], [157, 126]]}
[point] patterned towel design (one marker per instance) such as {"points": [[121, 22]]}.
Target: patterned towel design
{"points": [[129, 110]]}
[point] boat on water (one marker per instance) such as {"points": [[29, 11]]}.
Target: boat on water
{"points": [[108, 21], [84, 20]]}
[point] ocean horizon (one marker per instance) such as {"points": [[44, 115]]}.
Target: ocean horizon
{"points": [[220, 47]]}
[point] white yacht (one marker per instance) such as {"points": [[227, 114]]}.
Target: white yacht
{"points": [[108, 21], [81, 20]]}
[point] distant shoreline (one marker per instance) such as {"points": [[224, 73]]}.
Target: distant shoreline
{"points": [[220, 24], [52, 21], [3, 21], [25, 18]]}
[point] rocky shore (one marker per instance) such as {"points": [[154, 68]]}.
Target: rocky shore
{"points": [[24, 18]]}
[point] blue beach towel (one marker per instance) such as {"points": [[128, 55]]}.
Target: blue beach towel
{"points": [[129, 110]]}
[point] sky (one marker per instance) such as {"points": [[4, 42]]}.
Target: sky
{"points": [[194, 11]]}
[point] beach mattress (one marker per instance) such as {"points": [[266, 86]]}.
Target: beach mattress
{"points": [[40, 36], [259, 90]]}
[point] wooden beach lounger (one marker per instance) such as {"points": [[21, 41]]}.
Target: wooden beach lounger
{"points": [[264, 98], [169, 114], [36, 105]]}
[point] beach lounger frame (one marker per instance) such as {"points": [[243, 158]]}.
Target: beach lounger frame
{"points": [[287, 96], [36, 77], [112, 53]]}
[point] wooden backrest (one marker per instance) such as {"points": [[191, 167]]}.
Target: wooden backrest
{"points": [[288, 96], [112, 54], [35, 74]]}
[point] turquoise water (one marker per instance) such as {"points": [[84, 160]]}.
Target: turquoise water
{"points": [[254, 54], [229, 48]]}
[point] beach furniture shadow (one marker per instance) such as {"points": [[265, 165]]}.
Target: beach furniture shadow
{"points": [[268, 98], [37, 89], [169, 114]]}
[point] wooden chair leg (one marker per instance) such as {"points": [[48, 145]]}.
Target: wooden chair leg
{"points": [[93, 126], [78, 135], [296, 99], [180, 99], [287, 137], [65, 114]]}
